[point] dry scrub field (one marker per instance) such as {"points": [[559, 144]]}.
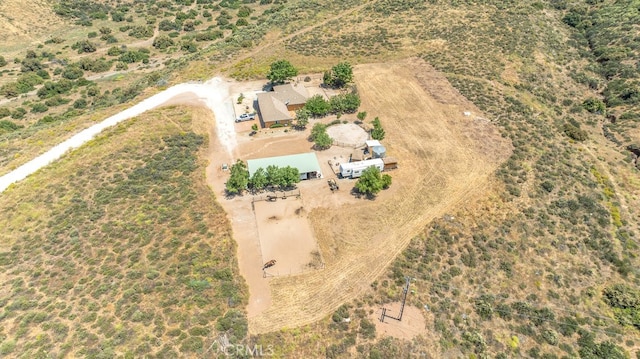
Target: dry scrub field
{"points": [[446, 160]]}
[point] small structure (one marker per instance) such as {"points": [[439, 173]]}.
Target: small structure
{"points": [[378, 152], [306, 163], [390, 163], [276, 106], [369, 144], [355, 169]]}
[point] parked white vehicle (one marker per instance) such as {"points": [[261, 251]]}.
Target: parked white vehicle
{"points": [[246, 117]]}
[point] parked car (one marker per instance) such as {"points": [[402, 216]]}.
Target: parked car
{"points": [[246, 117]]}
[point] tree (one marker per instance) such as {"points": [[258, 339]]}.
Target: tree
{"points": [[254, 127], [323, 141], [342, 103], [289, 176], [3, 62], [371, 182], [339, 76], [238, 179], [259, 179], [302, 118], [281, 71], [378, 132], [361, 115], [273, 176], [317, 106]]}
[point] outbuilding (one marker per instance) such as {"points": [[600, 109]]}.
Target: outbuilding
{"points": [[355, 169], [306, 163]]}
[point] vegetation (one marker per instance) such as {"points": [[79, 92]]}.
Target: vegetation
{"points": [[302, 118], [320, 137], [238, 178], [372, 181], [281, 71], [283, 177], [339, 76], [378, 132], [540, 71], [137, 246]]}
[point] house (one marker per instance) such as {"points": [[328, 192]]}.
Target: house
{"points": [[273, 111], [277, 106], [355, 169], [306, 163]]}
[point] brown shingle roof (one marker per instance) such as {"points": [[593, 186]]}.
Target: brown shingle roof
{"points": [[291, 94], [272, 109]]}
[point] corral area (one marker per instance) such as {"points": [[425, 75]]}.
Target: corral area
{"points": [[445, 161], [285, 236]]}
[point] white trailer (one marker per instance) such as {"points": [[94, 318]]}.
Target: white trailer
{"points": [[354, 169]]}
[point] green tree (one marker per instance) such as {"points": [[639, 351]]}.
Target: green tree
{"points": [[317, 106], [339, 76], [361, 115], [302, 118], [254, 127], [281, 71], [371, 182], [344, 103], [238, 179], [289, 176], [316, 130], [323, 141], [273, 176], [378, 132], [259, 180], [3, 62]]}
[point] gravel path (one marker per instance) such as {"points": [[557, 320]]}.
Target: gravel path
{"points": [[213, 93]]}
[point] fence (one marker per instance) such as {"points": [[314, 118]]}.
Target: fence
{"points": [[272, 196], [348, 145]]}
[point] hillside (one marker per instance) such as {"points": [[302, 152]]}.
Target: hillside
{"points": [[542, 263]]}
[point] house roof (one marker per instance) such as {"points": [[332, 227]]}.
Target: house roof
{"points": [[372, 143], [291, 94], [272, 109], [304, 162]]}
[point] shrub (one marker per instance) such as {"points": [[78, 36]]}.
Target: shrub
{"points": [[575, 132]]}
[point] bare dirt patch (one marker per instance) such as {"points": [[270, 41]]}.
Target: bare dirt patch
{"points": [[413, 321], [348, 134], [285, 235]]}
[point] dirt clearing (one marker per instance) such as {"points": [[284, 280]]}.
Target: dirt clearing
{"points": [[446, 159], [348, 134], [285, 235]]}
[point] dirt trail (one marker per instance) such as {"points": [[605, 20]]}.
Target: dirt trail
{"points": [[445, 161]]}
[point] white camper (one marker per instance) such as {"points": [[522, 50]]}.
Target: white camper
{"points": [[354, 169]]}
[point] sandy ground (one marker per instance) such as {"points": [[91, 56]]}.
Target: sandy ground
{"points": [[285, 235], [348, 134]]}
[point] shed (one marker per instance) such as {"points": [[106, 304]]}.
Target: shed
{"points": [[372, 143], [355, 169], [306, 163], [390, 163]]}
